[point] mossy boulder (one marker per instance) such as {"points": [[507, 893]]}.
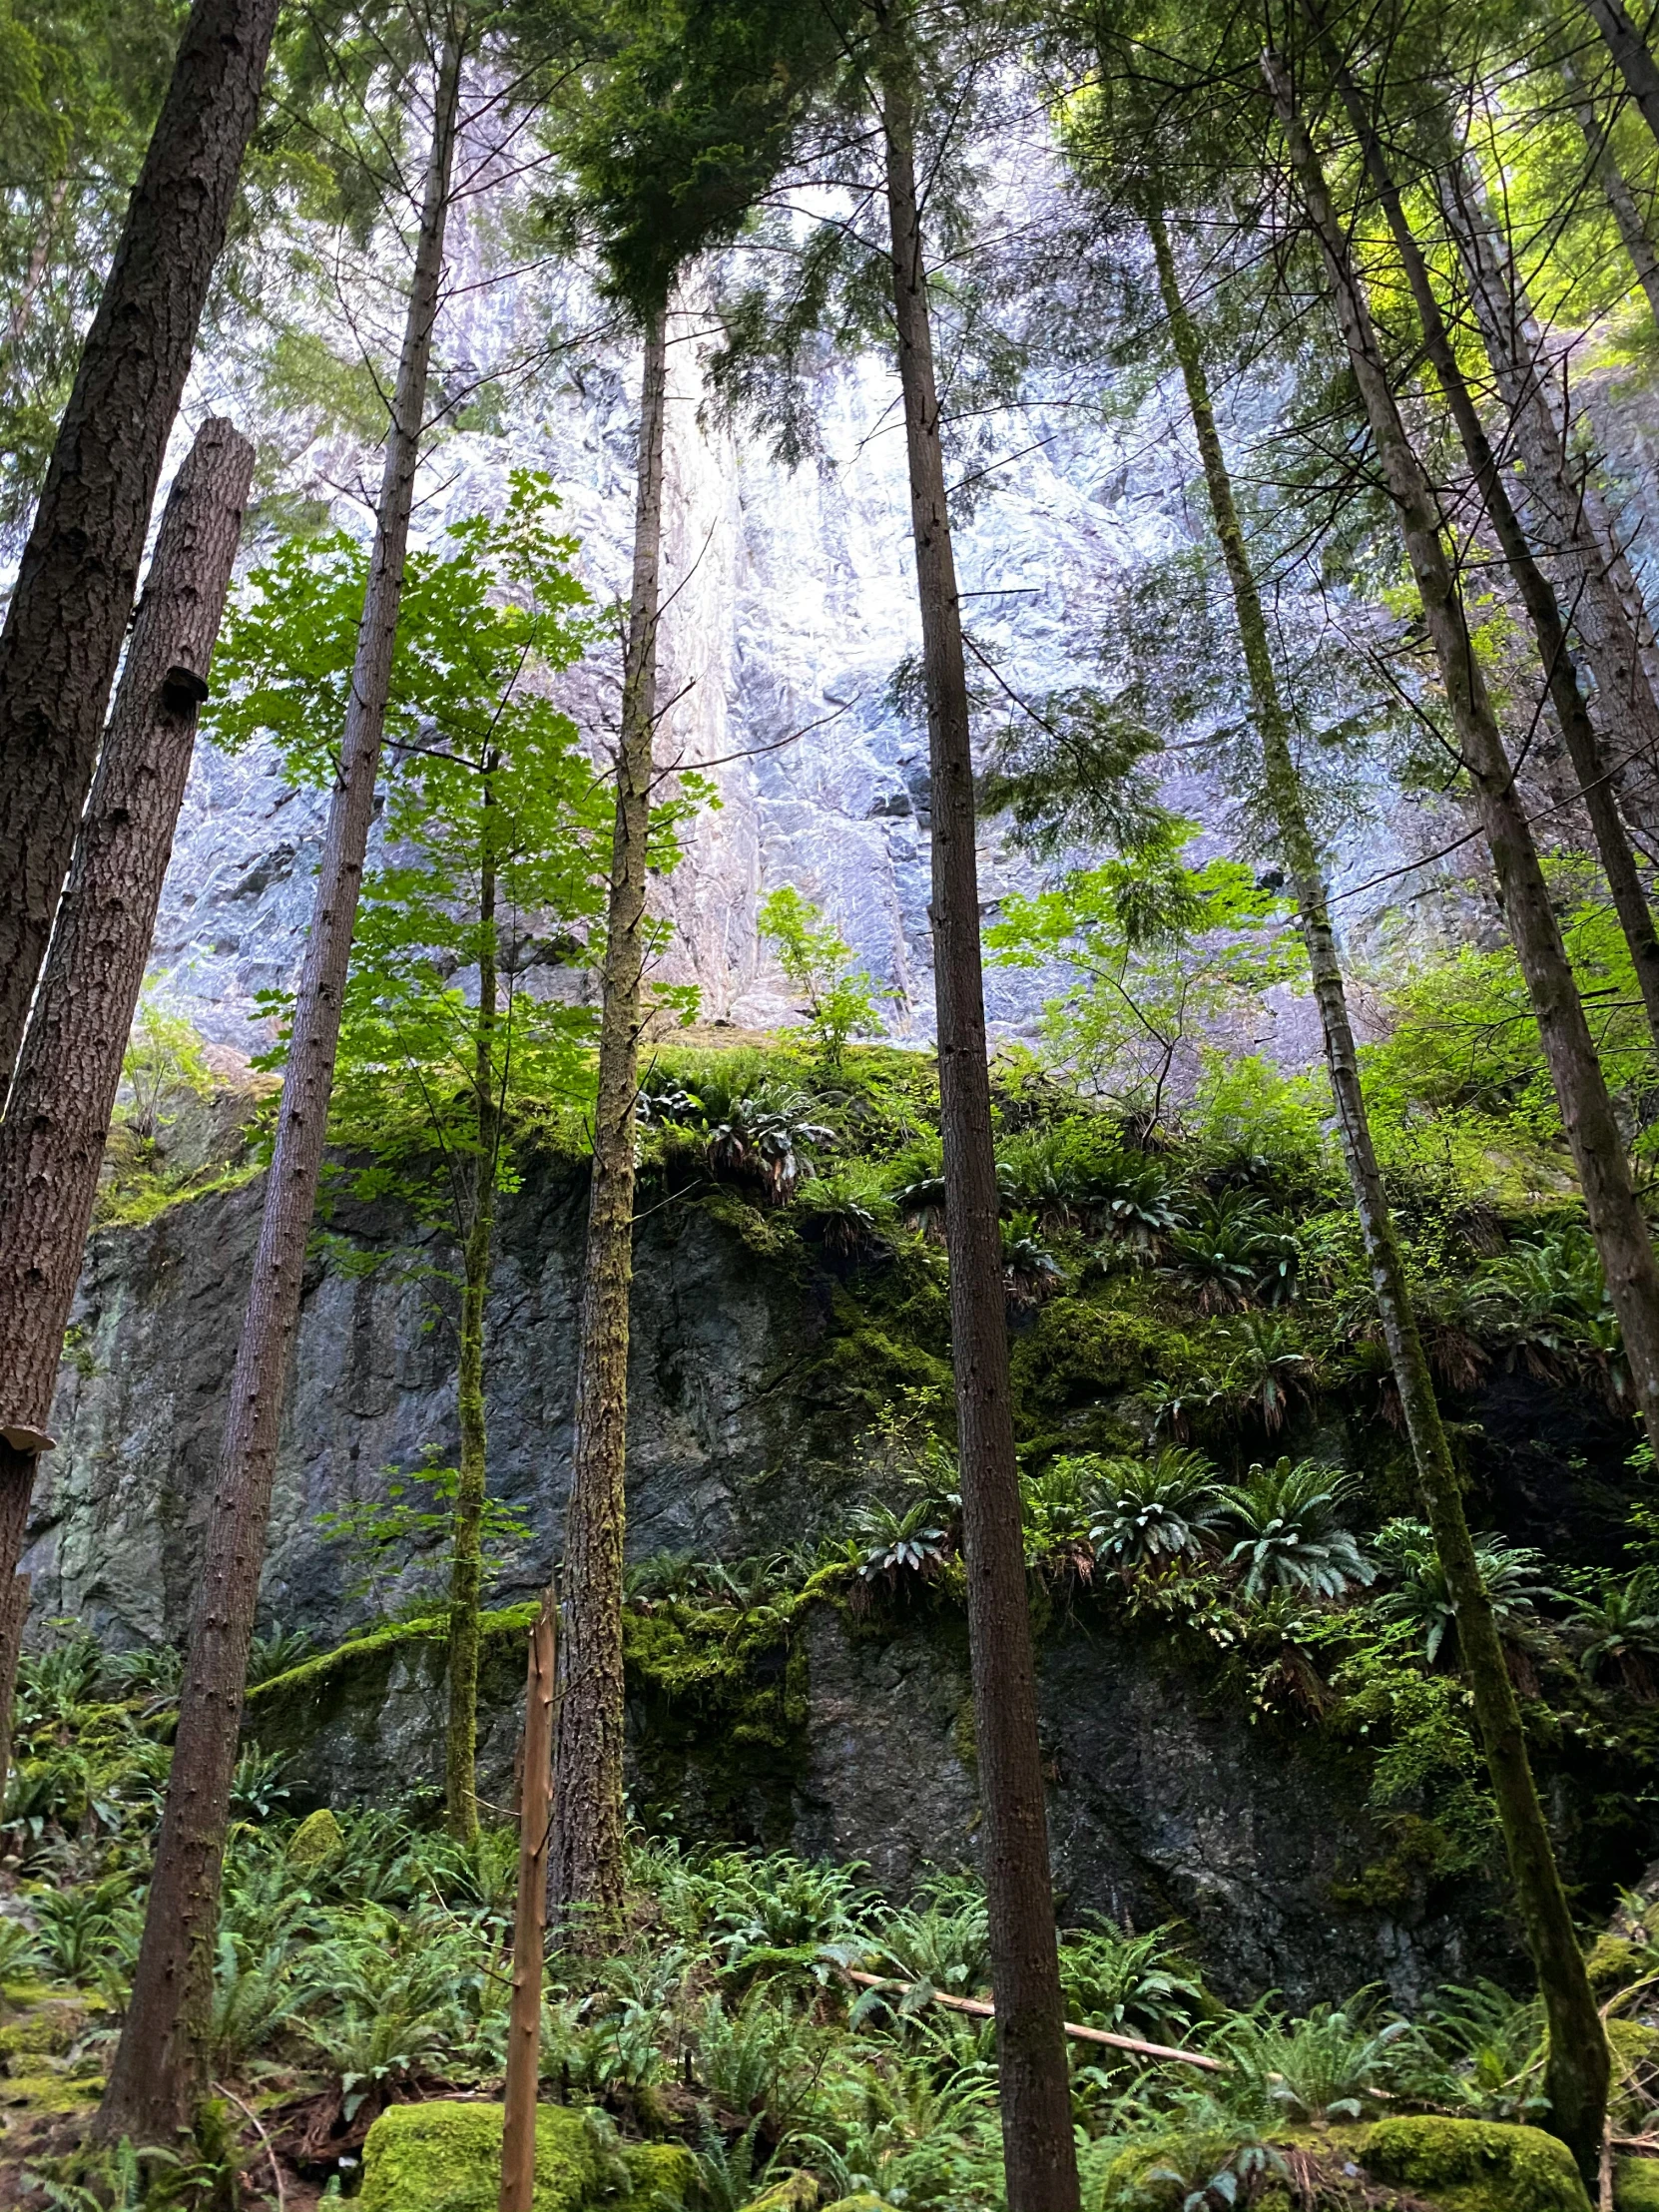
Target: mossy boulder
{"points": [[1475, 2165], [797, 2192], [315, 1840], [1614, 1961], [1636, 2185], [862, 2202], [447, 2157], [1635, 2073]]}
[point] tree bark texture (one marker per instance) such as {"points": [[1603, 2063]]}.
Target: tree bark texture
{"points": [[14, 1614], [160, 2063], [63, 1093], [518, 2130], [1632, 53], [68, 614], [1569, 1998], [1033, 2087], [585, 1874], [1594, 775], [1615, 189], [466, 1572], [1569, 519], [1578, 2051]]}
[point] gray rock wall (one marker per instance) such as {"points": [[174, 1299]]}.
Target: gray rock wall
{"points": [[1163, 1806]]}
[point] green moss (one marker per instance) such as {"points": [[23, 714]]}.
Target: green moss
{"points": [[1078, 1350], [317, 1839], [721, 1701], [1613, 1961], [1477, 2165], [797, 2192], [51, 2092], [447, 2157], [1635, 2065], [1636, 2185], [863, 2202], [297, 1684], [46, 2030]]}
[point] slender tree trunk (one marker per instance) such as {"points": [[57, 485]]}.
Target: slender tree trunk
{"points": [[585, 1871], [1599, 144], [160, 2063], [14, 1614], [1034, 2093], [68, 613], [1569, 519], [1578, 2077], [1632, 53], [1595, 776], [518, 2130], [52, 1139], [466, 1574]]}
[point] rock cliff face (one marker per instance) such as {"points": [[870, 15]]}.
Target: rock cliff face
{"points": [[1164, 1803]]}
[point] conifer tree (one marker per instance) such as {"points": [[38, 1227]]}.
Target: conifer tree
{"points": [[68, 611], [160, 2061], [675, 136], [1034, 2089], [1579, 2066]]}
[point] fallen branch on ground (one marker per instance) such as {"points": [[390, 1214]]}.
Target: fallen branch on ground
{"points": [[983, 2011]]}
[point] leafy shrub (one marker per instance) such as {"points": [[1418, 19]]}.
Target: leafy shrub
{"points": [[1289, 1535], [1145, 1513], [1422, 1598]]}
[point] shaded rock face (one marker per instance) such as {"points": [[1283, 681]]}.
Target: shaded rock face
{"points": [[1163, 1806], [120, 1506]]}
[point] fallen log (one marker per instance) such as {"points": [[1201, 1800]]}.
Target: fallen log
{"points": [[983, 2011]]}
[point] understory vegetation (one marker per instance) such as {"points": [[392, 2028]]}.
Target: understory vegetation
{"points": [[782, 2020], [1212, 1465]]}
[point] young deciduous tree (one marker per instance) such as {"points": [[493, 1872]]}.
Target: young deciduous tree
{"points": [[840, 1000], [492, 825]]}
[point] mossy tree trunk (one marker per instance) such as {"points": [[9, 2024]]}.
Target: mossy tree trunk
{"points": [[1591, 768], [460, 1788], [1578, 2065], [161, 2062], [585, 1864], [1033, 2084]]}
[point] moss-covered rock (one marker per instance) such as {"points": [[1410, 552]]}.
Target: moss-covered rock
{"points": [[797, 2192], [1636, 2185], [863, 2202], [1477, 2165], [1613, 1962], [1635, 2072], [447, 2157], [317, 1839]]}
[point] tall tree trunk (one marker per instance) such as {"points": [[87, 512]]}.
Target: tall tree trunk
{"points": [[518, 2120], [52, 1139], [1569, 518], [466, 1573], [1578, 2076], [160, 2063], [585, 1868], [1590, 767], [74, 592], [1632, 53], [1599, 144], [1033, 2085]]}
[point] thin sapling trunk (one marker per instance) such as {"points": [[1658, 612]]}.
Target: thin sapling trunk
{"points": [[466, 1572], [585, 1872], [518, 2131]]}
